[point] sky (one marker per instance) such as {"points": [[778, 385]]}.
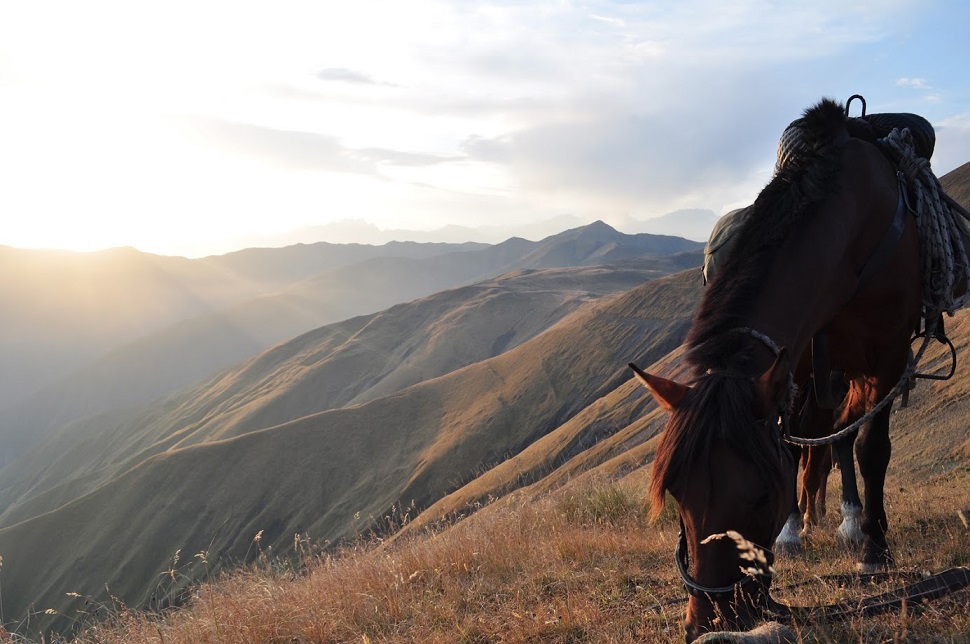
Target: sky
{"points": [[194, 128]]}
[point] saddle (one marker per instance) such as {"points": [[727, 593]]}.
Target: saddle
{"points": [[794, 142]]}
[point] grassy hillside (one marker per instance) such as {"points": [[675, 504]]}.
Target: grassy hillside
{"points": [[577, 565], [569, 557], [956, 183], [350, 362], [315, 474]]}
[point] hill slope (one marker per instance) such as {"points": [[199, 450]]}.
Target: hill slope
{"points": [[350, 362], [314, 474], [63, 308], [186, 352], [956, 183]]}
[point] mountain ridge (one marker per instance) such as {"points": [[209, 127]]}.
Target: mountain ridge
{"points": [[391, 350], [192, 349], [56, 308]]}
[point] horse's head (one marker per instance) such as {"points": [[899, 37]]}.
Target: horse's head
{"points": [[722, 459]]}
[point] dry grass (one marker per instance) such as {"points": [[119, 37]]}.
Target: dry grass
{"points": [[581, 567]]}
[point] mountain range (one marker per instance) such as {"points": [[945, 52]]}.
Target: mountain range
{"points": [[694, 224], [221, 310], [506, 378]]}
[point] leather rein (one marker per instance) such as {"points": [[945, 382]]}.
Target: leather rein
{"points": [[715, 593]]}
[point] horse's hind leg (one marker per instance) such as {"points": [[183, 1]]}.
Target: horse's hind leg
{"points": [[816, 465], [873, 450], [816, 421]]}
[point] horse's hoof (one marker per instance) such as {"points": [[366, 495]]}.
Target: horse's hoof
{"points": [[876, 560], [788, 548], [850, 530], [788, 542]]}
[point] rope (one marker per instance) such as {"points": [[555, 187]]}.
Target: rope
{"points": [[904, 381], [943, 257]]}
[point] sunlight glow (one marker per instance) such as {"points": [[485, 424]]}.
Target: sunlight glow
{"points": [[184, 126]]}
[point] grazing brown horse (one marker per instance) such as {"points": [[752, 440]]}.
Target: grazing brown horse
{"points": [[796, 269]]}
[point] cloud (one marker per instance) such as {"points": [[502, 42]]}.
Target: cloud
{"points": [[952, 143], [644, 102], [625, 163], [290, 91], [915, 83], [302, 150], [655, 149], [399, 158], [290, 149], [345, 75], [616, 22]]}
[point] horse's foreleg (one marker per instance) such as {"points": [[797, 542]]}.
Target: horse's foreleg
{"points": [[789, 540], [850, 530], [873, 449]]}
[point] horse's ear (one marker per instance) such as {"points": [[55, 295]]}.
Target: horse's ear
{"points": [[666, 392], [772, 386]]}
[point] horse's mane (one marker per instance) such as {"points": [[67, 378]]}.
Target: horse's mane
{"points": [[714, 407], [720, 403], [809, 176]]}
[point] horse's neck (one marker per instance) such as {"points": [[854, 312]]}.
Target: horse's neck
{"points": [[815, 272]]}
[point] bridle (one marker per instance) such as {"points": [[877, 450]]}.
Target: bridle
{"points": [[716, 593], [782, 418], [681, 556]]}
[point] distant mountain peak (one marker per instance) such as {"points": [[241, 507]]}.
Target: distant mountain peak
{"points": [[600, 226], [598, 231]]}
